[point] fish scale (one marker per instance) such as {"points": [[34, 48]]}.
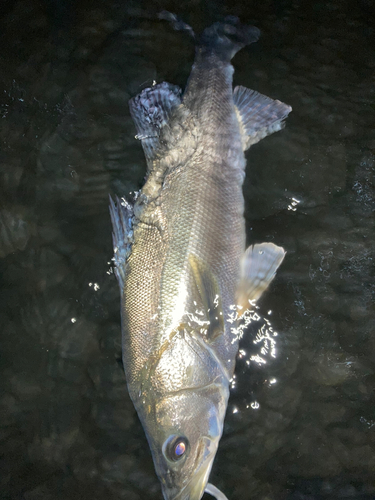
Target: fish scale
{"points": [[147, 253]]}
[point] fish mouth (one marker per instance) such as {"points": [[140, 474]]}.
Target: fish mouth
{"points": [[194, 489]]}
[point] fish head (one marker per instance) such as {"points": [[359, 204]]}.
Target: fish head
{"points": [[184, 438]]}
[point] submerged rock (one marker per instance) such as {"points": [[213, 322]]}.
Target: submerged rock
{"points": [[16, 228]]}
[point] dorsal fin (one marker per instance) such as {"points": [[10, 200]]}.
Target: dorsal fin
{"points": [[258, 115], [151, 110], [122, 236]]}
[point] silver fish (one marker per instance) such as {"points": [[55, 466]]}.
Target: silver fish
{"points": [[180, 259]]}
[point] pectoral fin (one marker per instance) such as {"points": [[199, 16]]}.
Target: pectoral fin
{"points": [[259, 265], [208, 297], [258, 115]]}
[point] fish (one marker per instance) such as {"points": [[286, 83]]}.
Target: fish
{"points": [[180, 256]]}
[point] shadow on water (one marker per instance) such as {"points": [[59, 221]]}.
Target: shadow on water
{"points": [[301, 419]]}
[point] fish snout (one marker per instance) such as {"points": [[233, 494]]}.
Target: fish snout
{"points": [[193, 490]]}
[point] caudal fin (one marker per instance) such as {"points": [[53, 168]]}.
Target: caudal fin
{"points": [[224, 38], [228, 37], [177, 23]]}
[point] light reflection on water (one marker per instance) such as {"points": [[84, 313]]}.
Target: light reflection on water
{"points": [[262, 352]]}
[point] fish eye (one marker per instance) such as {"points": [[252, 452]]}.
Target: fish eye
{"points": [[175, 448]]}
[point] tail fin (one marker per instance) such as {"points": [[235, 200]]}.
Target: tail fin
{"points": [[224, 38], [228, 37], [176, 22]]}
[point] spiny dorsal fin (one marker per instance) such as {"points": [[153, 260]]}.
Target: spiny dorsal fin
{"points": [[258, 115], [259, 265], [208, 296], [122, 236], [151, 110]]}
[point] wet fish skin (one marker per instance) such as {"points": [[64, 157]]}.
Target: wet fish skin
{"points": [[180, 256]]}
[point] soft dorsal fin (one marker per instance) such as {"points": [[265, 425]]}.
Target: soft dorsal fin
{"points": [[258, 115], [207, 294], [259, 265], [151, 110]]}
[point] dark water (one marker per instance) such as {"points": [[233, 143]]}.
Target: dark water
{"points": [[301, 419]]}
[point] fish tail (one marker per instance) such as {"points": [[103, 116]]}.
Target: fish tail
{"points": [[176, 22], [226, 38]]}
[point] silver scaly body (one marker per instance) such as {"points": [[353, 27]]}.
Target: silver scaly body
{"points": [[181, 261]]}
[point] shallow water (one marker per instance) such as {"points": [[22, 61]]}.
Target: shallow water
{"points": [[301, 418]]}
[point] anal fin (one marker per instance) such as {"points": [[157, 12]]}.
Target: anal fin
{"points": [[259, 265], [258, 115], [122, 224]]}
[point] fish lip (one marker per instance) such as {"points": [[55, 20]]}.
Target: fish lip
{"points": [[194, 489]]}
